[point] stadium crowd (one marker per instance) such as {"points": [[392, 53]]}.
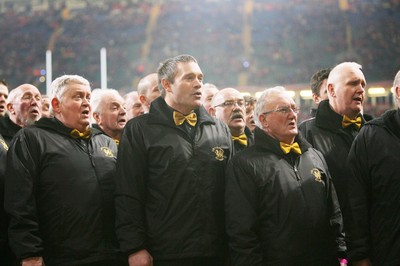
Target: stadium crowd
{"points": [[176, 166]]}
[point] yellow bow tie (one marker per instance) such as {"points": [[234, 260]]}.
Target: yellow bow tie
{"points": [[116, 141], [348, 122], [76, 134], [286, 148], [242, 139], [179, 118]]}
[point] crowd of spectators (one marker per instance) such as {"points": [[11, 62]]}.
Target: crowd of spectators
{"points": [[290, 40]]}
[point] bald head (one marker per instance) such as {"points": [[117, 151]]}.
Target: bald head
{"points": [[133, 105], [228, 105], [346, 89], [148, 90], [24, 105]]}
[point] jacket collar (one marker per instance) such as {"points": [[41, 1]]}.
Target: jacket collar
{"points": [[265, 142], [7, 127], [161, 113], [390, 119], [53, 124], [325, 117]]}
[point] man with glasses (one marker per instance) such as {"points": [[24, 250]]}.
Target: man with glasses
{"points": [[24, 108], [281, 206], [338, 121], [228, 105]]}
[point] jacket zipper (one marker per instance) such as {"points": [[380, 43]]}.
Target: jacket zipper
{"points": [[297, 173]]}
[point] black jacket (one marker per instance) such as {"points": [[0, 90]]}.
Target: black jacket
{"points": [[59, 194], [372, 218], [8, 129], [7, 258], [325, 133], [281, 209], [170, 185]]}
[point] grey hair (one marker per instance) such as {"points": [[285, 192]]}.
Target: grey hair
{"points": [[167, 69], [59, 85], [97, 99], [396, 83], [266, 99]]}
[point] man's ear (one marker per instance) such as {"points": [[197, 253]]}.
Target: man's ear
{"points": [[331, 90], [96, 117], [316, 98], [55, 104], [263, 120], [143, 99], [166, 84], [10, 108], [211, 111], [397, 91]]}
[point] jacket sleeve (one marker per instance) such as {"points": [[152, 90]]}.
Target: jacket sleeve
{"points": [[336, 216], [358, 199], [20, 197], [130, 190], [241, 200], [336, 220]]}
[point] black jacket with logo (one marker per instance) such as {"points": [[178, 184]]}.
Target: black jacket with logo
{"points": [[281, 209], [326, 134], [170, 185], [59, 194], [372, 219]]}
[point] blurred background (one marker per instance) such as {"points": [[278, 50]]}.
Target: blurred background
{"points": [[246, 44]]}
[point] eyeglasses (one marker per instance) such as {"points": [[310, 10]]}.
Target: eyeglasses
{"points": [[284, 110], [230, 104]]}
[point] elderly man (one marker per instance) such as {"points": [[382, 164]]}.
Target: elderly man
{"points": [[133, 105], [170, 176], [109, 112], [148, 90], [228, 105], [60, 185], [338, 121], [24, 108], [372, 215], [208, 91], [3, 97], [281, 206]]}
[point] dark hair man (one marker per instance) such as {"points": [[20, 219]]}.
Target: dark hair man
{"points": [[170, 175]]}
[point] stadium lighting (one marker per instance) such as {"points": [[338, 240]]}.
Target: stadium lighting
{"points": [[377, 92], [306, 94], [292, 93]]}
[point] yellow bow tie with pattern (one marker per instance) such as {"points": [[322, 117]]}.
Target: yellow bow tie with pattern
{"points": [[242, 139], [286, 148], [179, 118], [348, 122], [76, 134]]}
